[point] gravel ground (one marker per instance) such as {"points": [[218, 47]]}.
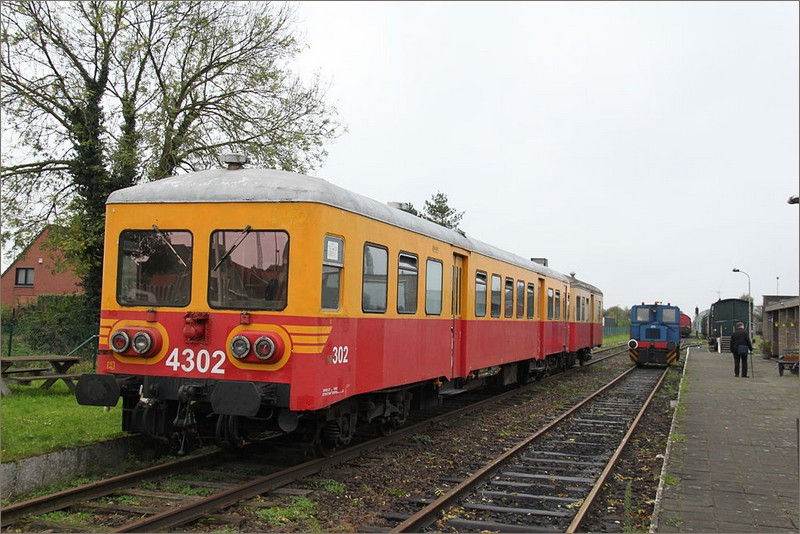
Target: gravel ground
{"points": [[356, 497]]}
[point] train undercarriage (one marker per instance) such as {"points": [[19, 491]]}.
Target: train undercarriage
{"points": [[185, 414]]}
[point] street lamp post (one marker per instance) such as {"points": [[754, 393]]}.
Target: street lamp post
{"points": [[749, 304]]}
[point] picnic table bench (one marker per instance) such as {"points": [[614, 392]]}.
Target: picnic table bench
{"points": [[14, 369]]}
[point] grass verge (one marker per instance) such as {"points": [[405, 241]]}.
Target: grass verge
{"points": [[36, 421]]}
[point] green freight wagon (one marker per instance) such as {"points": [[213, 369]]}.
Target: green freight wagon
{"points": [[722, 319]]}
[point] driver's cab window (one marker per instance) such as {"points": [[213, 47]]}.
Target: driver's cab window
{"points": [[248, 269]]}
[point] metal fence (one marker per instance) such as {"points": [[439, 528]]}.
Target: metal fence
{"points": [[55, 324], [613, 331]]}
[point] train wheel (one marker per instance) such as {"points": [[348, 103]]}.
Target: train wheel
{"points": [[325, 438], [228, 433]]}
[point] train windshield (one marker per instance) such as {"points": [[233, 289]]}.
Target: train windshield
{"points": [[669, 315], [248, 269], [154, 268]]}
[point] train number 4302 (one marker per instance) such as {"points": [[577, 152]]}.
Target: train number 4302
{"points": [[202, 361]]}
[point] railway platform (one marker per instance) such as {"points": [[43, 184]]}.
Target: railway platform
{"points": [[732, 464]]}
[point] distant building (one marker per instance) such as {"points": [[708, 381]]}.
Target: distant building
{"points": [[37, 271], [609, 321], [781, 314]]}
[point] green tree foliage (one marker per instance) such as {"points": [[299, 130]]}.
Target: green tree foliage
{"points": [[102, 95], [436, 210], [622, 315]]}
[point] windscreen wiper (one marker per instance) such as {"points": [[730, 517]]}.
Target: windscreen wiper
{"points": [[165, 240], [233, 247]]}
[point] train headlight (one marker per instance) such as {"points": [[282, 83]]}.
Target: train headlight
{"points": [[142, 343], [265, 348], [240, 347], [120, 341]]}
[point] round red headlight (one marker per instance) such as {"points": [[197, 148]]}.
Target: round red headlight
{"points": [[265, 348], [120, 341], [269, 348]]}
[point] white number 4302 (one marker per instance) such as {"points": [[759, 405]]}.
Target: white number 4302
{"points": [[202, 361]]}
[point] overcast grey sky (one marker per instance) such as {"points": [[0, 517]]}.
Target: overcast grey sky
{"points": [[650, 147]]}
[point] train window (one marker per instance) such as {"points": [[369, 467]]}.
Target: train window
{"points": [[509, 308], [480, 294], [578, 310], [557, 305], [433, 287], [530, 301], [643, 314], [407, 283], [376, 279], [332, 265], [496, 294], [520, 299], [154, 268], [669, 315], [550, 313], [248, 269]]}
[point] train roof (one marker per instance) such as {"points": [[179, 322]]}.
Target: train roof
{"points": [[267, 185]]}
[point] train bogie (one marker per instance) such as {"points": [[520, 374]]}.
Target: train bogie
{"points": [[250, 300]]}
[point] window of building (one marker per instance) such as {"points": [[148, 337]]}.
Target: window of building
{"points": [[407, 283], [480, 294], [376, 279], [497, 294], [24, 276], [433, 287], [332, 265]]}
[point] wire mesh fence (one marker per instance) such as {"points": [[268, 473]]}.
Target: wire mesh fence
{"points": [[54, 324]]}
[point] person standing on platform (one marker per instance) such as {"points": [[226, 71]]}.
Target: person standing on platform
{"points": [[740, 347]]}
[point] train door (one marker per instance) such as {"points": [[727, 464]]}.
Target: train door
{"points": [[564, 307], [592, 331], [457, 301], [541, 317]]}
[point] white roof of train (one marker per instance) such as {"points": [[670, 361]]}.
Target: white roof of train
{"points": [[266, 185]]}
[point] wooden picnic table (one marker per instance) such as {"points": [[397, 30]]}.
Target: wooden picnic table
{"points": [[49, 368]]}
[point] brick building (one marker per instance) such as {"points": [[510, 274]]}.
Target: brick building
{"points": [[37, 271], [781, 315]]}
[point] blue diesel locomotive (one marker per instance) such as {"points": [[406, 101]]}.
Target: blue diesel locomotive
{"points": [[655, 334]]}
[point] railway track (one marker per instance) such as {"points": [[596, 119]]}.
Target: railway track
{"points": [[548, 482], [146, 501]]}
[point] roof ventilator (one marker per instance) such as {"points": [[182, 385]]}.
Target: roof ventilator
{"points": [[235, 161]]}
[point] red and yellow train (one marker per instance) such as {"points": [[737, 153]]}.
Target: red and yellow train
{"points": [[240, 300]]}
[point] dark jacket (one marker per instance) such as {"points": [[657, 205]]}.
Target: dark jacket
{"points": [[740, 337]]}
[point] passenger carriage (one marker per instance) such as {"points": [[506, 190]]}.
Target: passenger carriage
{"points": [[251, 299]]}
